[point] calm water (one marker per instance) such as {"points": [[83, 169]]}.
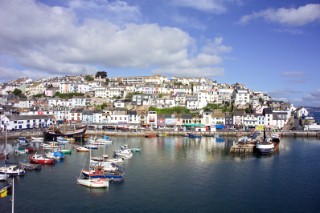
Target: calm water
{"points": [[176, 174]]}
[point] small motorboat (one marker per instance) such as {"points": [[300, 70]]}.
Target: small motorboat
{"points": [[12, 170], [22, 141], [3, 177], [29, 166], [124, 153], [37, 139], [56, 155], [93, 183], [82, 149], [21, 151], [91, 146], [39, 159]]}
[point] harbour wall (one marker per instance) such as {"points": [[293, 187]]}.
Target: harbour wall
{"points": [[16, 134]]}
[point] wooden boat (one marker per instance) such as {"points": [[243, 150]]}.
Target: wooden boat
{"points": [[56, 132], [39, 159], [29, 166], [12, 170]]}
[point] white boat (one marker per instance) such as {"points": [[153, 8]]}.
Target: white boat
{"points": [[22, 141], [21, 151], [125, 153], [3, 177], [37, 139], [62, 140], [82, 149], [103, 140], [93, 183], [106, 166], [50, 145], [55, 155], [12, 170], [91, 146]]}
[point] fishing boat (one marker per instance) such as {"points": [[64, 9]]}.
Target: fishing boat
{"points": [[56, 132], [265, 146], [12, 170], [39, 159]]}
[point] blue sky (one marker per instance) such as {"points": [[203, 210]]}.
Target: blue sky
{"points": [[268, 45]]}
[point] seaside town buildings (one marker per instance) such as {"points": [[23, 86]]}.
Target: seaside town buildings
{"points": [[126, 102]]}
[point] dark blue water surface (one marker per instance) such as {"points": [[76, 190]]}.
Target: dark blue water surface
{"points": [[177, 174]]}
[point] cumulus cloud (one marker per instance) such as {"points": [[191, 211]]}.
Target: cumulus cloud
{"points": [[55, 40], [216, 6], [300, 16]]}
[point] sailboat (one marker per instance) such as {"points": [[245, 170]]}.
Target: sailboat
{"points": [[93, 183]]}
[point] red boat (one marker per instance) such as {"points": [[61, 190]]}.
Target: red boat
{"points": [[150, 135], [39, 159]]}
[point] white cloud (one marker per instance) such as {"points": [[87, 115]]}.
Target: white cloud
{"points": [[216, 6], [52, 41], [287, 16]]}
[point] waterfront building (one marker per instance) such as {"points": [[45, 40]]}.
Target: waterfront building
{"points": [[19, 122]]}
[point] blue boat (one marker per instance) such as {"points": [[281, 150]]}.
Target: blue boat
{"points": [[191, 135], [99, 173]]}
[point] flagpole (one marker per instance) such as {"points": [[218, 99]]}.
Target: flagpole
{"points": [[12, 195]]}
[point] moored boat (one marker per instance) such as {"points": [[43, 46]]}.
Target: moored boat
{"points": [[53, 133], [93, 183], [29, 166], [39, 159], [82, 149], [12, 170], [37, 139], [124, 153], [99, 173], [194, 135]]}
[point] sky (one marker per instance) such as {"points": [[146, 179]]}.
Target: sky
{"points": [[270, 46]]}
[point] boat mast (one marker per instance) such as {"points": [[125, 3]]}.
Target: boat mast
{"points": [[12, 199]]}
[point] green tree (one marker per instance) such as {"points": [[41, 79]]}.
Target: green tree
{"points": [[17, 92], [88, 78]]}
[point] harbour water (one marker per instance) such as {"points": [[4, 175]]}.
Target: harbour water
{"points": [[178, 174]]}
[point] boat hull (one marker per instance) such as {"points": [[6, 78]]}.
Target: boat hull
{"points": [[94, 183]]}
